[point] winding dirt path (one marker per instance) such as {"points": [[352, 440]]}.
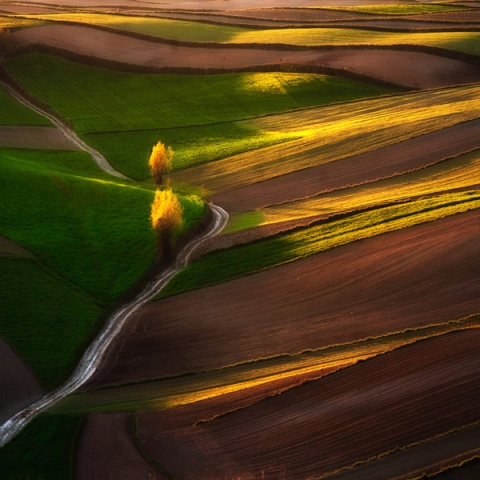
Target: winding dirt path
{"points": [[95, 353], [97, 157]]}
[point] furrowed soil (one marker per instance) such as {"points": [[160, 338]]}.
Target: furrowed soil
{"points": [[384, 162], [367, 288], [403, 68], [106, 450], [376, 406]]}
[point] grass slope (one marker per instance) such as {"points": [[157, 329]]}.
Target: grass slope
{"points": [[124, 114], [44, 450], [92, 242]]}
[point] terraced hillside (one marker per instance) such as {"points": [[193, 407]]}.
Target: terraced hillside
{"points": [[331, 329]]}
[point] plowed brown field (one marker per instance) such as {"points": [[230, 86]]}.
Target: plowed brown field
{"points": [[41, 138], [19, 387], [407, 69], [397, 399], [384, 284]]}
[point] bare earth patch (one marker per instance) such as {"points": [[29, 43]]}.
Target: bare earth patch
{"points": [[393, 400], [19, 386], [368, 288], [403, 68], [39, 138], [106, 450]]}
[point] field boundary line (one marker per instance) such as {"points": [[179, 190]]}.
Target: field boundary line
{"points": [[96, 156]]}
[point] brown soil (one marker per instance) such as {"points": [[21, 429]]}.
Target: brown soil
{"points": [[12, 249], [19, 386], [40, 138], [396, 399], [384, 162], [106, 450], [407, 69], [368, 288]]}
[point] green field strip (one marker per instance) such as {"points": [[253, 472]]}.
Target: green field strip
{"points": [[186, 389], [14, 113], [198, 32], [401, 9], [456, 173], [221, 266], [12, 21], [95, 99], [334, 132]]}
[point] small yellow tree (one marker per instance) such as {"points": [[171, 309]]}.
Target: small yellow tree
{"points": [[167, 218], [160, 161]]}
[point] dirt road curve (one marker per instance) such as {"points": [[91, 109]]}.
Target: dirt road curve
{"points": [[406, 69], [94, 354], [97, 157]]}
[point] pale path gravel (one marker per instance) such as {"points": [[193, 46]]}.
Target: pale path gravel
{"points": [[94, 354]]}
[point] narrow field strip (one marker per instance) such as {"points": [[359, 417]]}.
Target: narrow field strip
{"points": [[413, 461], [38, 138], [334, 132], [198, 32], [283, 248], [448, 175], [186, 389]]}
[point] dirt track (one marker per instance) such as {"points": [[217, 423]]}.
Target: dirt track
{"points": [[369, 288], [407, 69]]}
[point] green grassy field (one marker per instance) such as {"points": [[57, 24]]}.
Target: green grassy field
{"points": [[465, 42], [44, 450], [92, 242], [123, 114]]}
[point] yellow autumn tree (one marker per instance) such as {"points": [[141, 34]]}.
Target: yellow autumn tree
{"points": [[160, 161], [167, 218]]}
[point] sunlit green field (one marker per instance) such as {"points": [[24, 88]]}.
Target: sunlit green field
{"points": [[123, 114], [466, 42], [91, 239], [325, 134]]}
